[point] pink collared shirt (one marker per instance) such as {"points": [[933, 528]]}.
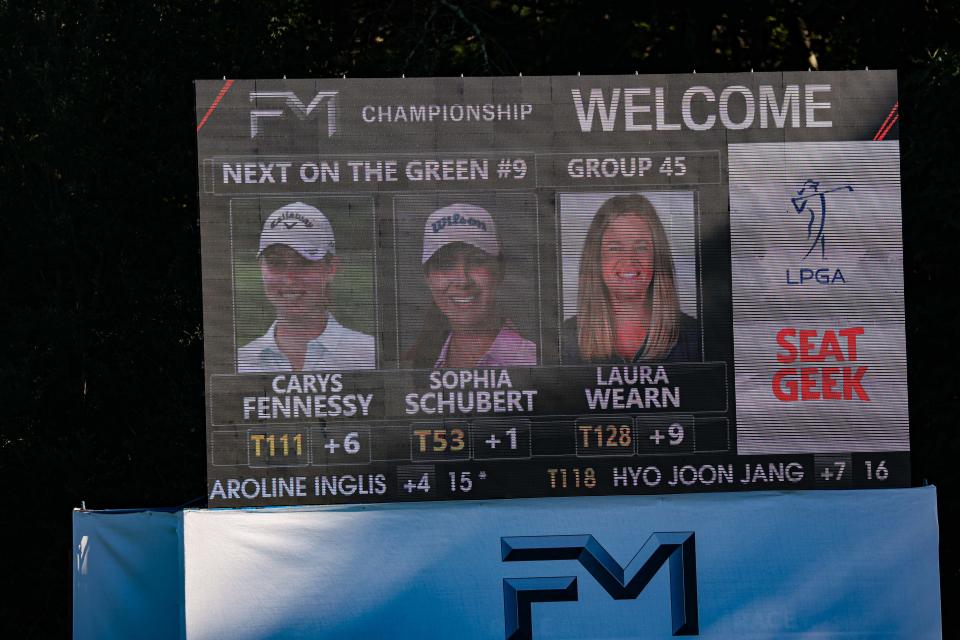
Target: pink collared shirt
{"points": [[509, 349]]}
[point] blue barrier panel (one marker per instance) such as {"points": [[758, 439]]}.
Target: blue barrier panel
{"points": [[127, 574], [851, 564], [856, 564]]}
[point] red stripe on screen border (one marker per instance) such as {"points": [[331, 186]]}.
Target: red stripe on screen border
{"points": [[892, 118], [216, 101]]}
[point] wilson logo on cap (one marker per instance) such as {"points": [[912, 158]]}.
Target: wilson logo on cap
{"points": [[460, 222], [456, 218]]}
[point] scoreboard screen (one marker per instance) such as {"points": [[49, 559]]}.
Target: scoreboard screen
{"points": [[476, 288]]}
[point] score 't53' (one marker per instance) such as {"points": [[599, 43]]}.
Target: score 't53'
{"points": [[440, 440]]}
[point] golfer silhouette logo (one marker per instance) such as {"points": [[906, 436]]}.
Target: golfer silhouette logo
{"points": [[810, 200]]}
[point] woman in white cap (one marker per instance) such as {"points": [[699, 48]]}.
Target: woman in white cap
{"points": [[298, 263], [627, 306], [463, 267]]}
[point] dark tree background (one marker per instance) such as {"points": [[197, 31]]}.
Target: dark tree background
{"points": [[102, 373]]}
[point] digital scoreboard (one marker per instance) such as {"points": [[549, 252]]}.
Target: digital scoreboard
{"points": [[474, 288]]}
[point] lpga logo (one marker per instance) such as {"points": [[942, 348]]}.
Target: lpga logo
{"points": [[811, 201], [457, 219]]}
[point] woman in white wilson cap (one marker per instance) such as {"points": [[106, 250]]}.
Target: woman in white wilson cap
{"points": [[463, 267], [298, 263], [627, 306]]}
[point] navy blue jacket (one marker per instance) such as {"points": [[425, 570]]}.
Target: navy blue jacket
{"points": [[687, 348]]}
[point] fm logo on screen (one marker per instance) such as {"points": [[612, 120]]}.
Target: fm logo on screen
{"points": [[622, 583], [809, 346], [811, 202], [292, 102]]}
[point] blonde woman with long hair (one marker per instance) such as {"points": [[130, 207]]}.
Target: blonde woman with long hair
{"points": [[627, 307]]}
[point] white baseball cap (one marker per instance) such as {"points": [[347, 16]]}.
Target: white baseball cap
{"points": [[459, 223], [302, 228]]}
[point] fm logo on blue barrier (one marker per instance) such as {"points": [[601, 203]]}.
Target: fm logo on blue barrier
{"points": [[622, 583]]}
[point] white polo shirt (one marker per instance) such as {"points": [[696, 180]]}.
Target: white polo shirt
{"points": [[336, 348]]}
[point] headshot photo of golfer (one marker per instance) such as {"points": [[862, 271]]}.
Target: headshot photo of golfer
{"points": [[627, 305], [298, 264], [464, 268]]}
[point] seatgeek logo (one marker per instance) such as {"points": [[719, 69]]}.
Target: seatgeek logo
{"points": [[289, 102], [677, 549]]}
